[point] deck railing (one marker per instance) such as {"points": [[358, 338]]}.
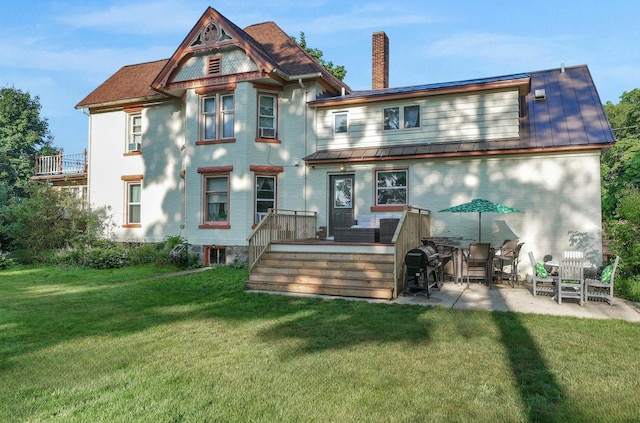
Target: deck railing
{"points": [[280, 225], [62, 164], [414, 225]]}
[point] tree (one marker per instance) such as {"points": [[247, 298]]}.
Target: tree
{"points": [[621, 163], [338, 71], [23, 133]]}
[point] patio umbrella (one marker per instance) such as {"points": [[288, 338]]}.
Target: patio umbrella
{"points": [[481, 206]]}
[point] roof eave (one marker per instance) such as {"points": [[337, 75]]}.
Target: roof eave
{"points": [[523, 89], [122, 103]]}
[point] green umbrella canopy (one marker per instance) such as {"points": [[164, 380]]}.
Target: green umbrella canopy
{"points": [[481, 206]]}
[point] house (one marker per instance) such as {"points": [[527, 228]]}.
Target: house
{"points": [[241, 121]]}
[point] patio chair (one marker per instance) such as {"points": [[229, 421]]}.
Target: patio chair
{"points": [[541, 283], [602, 288], [571, 279], [573, 254], [509, 255], [478, 262]]}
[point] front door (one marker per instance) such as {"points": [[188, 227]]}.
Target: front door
{"points": [[340, 202]]}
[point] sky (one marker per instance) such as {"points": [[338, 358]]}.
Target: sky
{"points": [[62, 50]]}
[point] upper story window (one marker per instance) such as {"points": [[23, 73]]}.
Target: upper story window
{"points": [[340, 123], [218, 116], [391, 187], [134, 138], [267, 115], [402, 117]]}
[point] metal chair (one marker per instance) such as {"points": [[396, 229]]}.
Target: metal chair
{"points": [[478, 262], [509, 255], [570, 279], [599, 289]]}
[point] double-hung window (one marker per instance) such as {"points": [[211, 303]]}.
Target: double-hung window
{"points": [[267, 115], [265, 196], [134, 139], [134, 197], [218, 116], [216, 199], [391, 187], [401, 117]]}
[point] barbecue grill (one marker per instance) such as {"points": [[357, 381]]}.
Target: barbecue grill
{"points": [[423, 267]]}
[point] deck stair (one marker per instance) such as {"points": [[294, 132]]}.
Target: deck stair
{"points": [[349, 273]]}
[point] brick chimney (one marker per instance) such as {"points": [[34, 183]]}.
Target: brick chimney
{"points": [[380, 61]]}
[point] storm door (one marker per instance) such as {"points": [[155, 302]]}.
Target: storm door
{"points": [[340, 202]]}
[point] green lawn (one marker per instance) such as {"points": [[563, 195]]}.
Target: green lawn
{"points": [[123, 346]]}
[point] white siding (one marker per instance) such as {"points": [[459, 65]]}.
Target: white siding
{"points": [[560, 194], [160, 163], [473, 117]]}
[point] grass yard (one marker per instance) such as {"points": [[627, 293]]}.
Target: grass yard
{"points": [[123, 346]]}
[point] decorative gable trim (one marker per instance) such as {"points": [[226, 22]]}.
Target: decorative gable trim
{"points": [[212, 31]]}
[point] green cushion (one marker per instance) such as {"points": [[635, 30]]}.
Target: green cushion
{"points": [[541, 271], [606, 274]]}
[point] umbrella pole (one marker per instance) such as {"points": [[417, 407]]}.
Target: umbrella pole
{"points": [[479, 226]]}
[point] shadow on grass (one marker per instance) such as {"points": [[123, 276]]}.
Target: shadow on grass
{"points": [[48, 311], [539, 390]]}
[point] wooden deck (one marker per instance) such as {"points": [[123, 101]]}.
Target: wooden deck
{"points": [[328, 268]]}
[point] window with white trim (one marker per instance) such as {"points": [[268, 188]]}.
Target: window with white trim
{"points": [[401, 117], [216, 199], [391, 187], [134, 202], [134, 138], [218, 116], [340, 123], [265, 196], [267, 115]]}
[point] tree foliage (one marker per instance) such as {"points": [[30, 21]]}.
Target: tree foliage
{"points": [[338, 71], [46, 219], [621, 163], [621, 181], [23, 133]]}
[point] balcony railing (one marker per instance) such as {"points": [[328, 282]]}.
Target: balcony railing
{"points": [[62, 164]]}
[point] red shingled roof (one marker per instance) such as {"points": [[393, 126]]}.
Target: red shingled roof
{"points": [[288, 56], [130, 83]]}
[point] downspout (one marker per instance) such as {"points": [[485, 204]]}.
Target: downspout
{"points": [[88, 199], [306, 169]]}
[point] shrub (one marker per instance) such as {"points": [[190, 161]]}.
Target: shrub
{"points": [[107, 258], [6, 262]]}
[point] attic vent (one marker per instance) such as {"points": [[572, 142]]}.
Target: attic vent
{"points": [[539, 94], [214, 66]]}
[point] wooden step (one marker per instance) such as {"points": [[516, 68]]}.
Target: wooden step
{"points": [[343, 291], [353, 274]]}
